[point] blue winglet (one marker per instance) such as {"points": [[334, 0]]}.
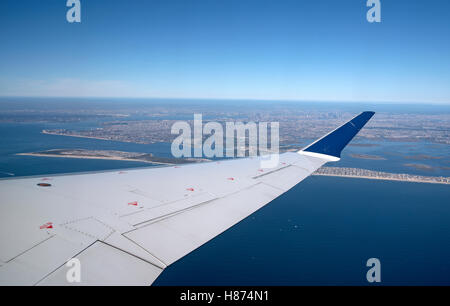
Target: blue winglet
{"points": [[333, 143]]}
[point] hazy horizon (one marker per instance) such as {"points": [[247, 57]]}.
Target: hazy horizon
{"points": [[111, 98]]}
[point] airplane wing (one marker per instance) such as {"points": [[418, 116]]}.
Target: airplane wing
{"points": [[125, 227]]}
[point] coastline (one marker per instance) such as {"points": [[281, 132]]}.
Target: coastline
{"points": [[95, 157], [92, 137], [380, 175], [382, 178]]}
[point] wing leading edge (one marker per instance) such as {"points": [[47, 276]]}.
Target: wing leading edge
{"points": [[126, 227]]}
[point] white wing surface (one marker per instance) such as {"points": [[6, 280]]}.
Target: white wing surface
{"points": [[125, 227]]}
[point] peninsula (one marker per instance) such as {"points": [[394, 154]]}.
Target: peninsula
{"points": [[113, 155]]}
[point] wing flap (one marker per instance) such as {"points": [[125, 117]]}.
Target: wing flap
{"points": [[172, 238], [102, 264], [30, 267]]}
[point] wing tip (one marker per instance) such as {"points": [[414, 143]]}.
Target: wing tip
{"points": [[333, 143]]}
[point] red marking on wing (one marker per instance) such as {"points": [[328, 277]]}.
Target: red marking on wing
{"points": [[231, 178], [122, 172], [190, 189], [44, 184], [261, 170], [46, 225], [46, 179], [177, 167], [134, 203]]}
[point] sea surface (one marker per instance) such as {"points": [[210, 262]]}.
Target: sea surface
{"points": [[321, 232]]}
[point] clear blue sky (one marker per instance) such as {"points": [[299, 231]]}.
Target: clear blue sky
{"points": [[294, 50]]}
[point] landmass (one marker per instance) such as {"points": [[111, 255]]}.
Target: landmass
{"points": [[151, 122], [419, 167], [422, 157], [366, 156], [363, 145], [379, 175], [113, 155]]}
